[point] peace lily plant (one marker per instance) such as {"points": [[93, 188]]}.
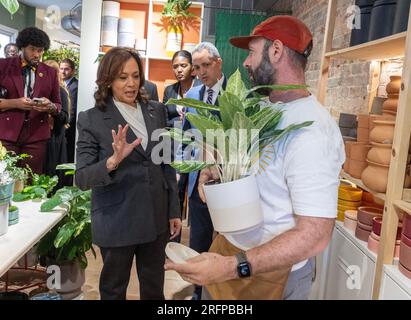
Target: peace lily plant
{"points": [[233, 143]]}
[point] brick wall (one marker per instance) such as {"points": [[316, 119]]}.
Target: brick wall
{"points": [[348, 80]]}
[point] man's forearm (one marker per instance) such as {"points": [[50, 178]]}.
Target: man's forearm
{"points": [[307, 239]]}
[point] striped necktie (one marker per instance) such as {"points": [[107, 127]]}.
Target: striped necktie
{"points": [[210, 96]]}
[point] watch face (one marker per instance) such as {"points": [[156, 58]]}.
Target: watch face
{"points": [[244, 270]]}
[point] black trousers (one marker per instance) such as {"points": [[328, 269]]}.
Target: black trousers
{"points": [[117, 263]]}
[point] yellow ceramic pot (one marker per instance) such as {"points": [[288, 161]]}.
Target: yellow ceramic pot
{"points": [[349, 193]]}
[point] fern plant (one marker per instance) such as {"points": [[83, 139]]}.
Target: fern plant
{"points": [[245, 127]]}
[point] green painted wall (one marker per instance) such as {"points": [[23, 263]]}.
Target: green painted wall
{"points": [[25, 17]]}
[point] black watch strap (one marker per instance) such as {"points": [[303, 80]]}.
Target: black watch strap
{"points": [[243, 266]]}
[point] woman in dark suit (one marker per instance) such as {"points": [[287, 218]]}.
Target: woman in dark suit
{"points": [[183, 70], [134, 201]]}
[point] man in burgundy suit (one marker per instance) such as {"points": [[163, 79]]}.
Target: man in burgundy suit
{"points": [[30, 93]]}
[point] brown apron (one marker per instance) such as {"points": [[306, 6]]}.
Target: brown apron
{"points": [[263, 286]]}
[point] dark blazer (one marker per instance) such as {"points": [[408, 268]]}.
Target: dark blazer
{"points": [[172, 91], [134, 203], [46, 85], [72, 88], [151, 89]]}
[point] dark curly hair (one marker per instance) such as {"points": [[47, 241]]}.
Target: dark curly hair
{"points": [[110, 68], [33, 36]]}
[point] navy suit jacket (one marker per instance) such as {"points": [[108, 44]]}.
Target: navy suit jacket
{"points": [[198, 94]]}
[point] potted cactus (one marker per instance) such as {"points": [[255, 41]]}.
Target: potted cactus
{"points": [[233, 143]]}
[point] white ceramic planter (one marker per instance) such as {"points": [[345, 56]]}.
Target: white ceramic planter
{"points": [[6, 193], [111, 8], [235, 206], [126, 25], [126, 39]]}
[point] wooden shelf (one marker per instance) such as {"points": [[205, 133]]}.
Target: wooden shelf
{"points": [[385, 48], [403, 205], [361, 185]]}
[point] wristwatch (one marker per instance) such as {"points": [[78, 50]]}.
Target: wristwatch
{"points": [[243, 266]]}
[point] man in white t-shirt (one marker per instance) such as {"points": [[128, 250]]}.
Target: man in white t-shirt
{"points": [[298, 186]]}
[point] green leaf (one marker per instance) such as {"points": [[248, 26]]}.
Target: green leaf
{"points": [[229, 106], [64, 235], [50, 204], [193, 103], [18, 197], [236, 86], [178, 135], [190, 166], [11, 6], [66, 166], [203, 124]]}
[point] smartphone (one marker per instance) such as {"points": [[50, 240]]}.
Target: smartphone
{"points": [[38, 100]]}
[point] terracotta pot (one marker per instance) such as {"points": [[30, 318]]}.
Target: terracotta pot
{"points": [[389, 115], [367, 197], [363, 135], [404, 271], [351, 214], [363, 121], [364, 226], [359, 151], [406, 226], [378, 117], [406, 240], [405, 255], [375, 177], [394, 86], [366, 214], [350, 224], [391, 104], [348, 147], [383, 132], [361, 233], [377, 224], [356, 168], [373, 244], [380, 153], [18, 186]]}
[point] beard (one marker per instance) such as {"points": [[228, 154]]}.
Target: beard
{"points": [[264, 74], [31, 62]]}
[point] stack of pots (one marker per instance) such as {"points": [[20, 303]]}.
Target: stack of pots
{"points": [[375, 176], [405, 248], [393, 91], [401, 16], [365, 217], [126, 35], [109, 23], [358, 156], [349, 198], [350, 219], [361, 28], [374, 238], [382, 19]]}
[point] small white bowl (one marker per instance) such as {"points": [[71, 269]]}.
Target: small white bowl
{"points": [[179, 253]]}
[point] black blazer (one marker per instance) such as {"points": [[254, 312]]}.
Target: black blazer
{"points": [[72, 88], [172, 91], [134, 203], [151, 89]]}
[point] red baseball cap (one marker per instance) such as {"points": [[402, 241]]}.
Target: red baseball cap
{"points": [[292, 32]]}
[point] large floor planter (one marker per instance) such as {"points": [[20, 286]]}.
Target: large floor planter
{"points": [[72, 278], [6, 193], [234, 206]]}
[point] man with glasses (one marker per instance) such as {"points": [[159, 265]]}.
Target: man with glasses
{"points": [[30, 92]]}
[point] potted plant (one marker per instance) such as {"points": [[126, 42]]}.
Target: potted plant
{"points": [[68, 242], [9, 173], [174, 17], [13, 215], [233, 144]]}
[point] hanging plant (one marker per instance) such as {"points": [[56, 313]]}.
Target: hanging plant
{"points": [[11, 6]]}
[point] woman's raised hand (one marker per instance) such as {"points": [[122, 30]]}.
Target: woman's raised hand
{"points": [[121, 148]]}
